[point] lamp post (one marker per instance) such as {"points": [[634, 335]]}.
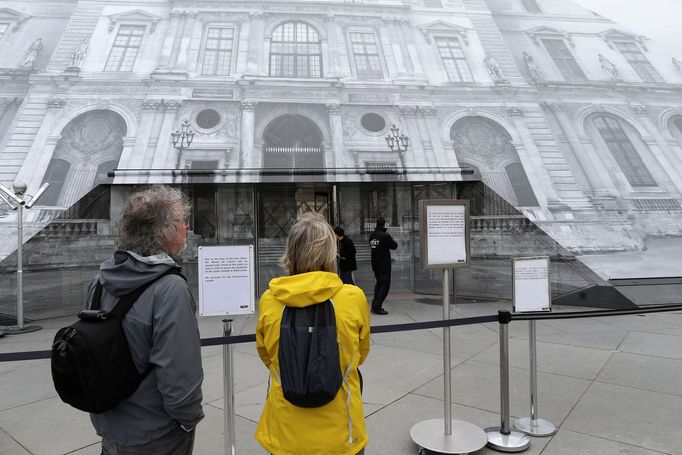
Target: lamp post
{"points": [[182, 139], [397, 142], [15, 199]]}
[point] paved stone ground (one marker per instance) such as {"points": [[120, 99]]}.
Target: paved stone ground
{"points": [[612, 385]]}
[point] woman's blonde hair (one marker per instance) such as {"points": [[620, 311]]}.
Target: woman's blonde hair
{"points": [[311, 246]]}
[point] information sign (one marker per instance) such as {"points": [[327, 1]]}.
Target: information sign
{"points": [[444, 232], [530, 282], [227, 284]]}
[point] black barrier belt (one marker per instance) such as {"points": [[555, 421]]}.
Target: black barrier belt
{"points": [[35, 355], [593, 314]]}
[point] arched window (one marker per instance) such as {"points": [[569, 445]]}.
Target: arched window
{"points": [[483, 143], [613, 132], [56, 174], [295, 51]]}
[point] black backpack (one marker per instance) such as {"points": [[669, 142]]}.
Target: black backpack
{"points": [[310, 369], [92, 368]]}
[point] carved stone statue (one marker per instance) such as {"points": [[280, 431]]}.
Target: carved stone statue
{"points": [[32, 53], [493, 69], [677, 64], [609, 67], [533, 69], [79, 54]]}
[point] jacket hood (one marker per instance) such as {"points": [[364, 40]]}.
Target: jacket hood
{"points": [[126, 271], [305, 289]]}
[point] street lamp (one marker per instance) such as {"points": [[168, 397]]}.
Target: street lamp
{"points": [[182, 139], [396, 140], [15, 199]]}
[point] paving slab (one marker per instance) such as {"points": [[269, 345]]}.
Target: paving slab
{"points": [[48, 427], [650, 420], [566, 442], [9, 446], [477, 385], [635, 370], [26, 385], [654, 344]]}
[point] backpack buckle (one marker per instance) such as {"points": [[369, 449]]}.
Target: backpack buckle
{"points": [[93, 315]]}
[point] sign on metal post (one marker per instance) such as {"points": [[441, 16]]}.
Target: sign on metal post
{"points": [[532, 293], [444, 229], [227, 282]]}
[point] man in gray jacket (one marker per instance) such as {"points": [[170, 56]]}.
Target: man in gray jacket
{"points": [[161, 328]]}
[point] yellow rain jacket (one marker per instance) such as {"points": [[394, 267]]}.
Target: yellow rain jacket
{"points": [[337, 428]]}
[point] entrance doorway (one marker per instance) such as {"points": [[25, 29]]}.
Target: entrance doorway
{"points": [[278, 208]]}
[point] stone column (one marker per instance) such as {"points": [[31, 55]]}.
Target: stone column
{"points": [[341, 51], [38, 157], [411, 47], [442, 157], [242, 47], [531, 160], [166, 155], [138, 157], [126, 153], [611, 172], [188, 33], [395, 41], [336, 128], [179, 37], [662, 157], [248, 158], [591, 165], [167, 48], [254, 65], [389, 56], [415, 150]]}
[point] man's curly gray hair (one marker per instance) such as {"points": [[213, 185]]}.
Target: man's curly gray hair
{"points": [[148, 221]]}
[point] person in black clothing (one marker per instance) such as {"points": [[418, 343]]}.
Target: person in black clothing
{"points": [[381, 243], [346, 255]]}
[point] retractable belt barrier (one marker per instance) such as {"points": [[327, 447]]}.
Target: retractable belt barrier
{"points": [[216, 341]]}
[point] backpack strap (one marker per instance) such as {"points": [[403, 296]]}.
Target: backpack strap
{"points": [[127, 301], [98, 295]]}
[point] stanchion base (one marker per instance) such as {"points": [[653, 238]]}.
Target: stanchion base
{"points": [[15, 329], [465, 438], [538, 427], [512, 442]]}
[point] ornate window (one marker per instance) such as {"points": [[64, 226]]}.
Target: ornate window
{"points": [[56, 174], [374, 123], [531, 6], [125, 49], [366, 55], [456, 66], [295, 51], [644, 69], [619, 144], [218, 51], [3, 28], [564, 59]]}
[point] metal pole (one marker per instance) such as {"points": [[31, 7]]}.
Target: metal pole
{"points": [[502, 438], [504, 379], [228, 391], [447, 384], [533, 425], [533, 373], [20, 265]]}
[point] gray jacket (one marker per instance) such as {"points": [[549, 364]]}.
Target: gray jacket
{"points": [[162, 332]]}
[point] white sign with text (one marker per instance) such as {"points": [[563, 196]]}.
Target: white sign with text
{"points": [[446, 234], [531, 284], [227, 283]]}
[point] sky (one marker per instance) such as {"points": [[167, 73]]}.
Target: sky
{"points": [[659, 20]]}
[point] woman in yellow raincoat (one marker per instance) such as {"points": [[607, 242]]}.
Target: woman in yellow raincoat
{"points": [[337, 428]]}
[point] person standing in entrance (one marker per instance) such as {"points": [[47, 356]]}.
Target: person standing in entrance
{"points": [[346, 256], [381, 243]]}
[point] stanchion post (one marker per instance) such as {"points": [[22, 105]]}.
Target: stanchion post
{"points": [[502, 438], [532, 425], [447, 362], [228, 391]]}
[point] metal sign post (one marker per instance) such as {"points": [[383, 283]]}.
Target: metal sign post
{"points": [[228, 391], [445, 245]]}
